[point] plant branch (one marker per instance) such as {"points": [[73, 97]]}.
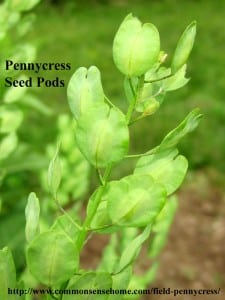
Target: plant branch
{"points": [[109, 102], [142, 154], [100, 178], [65, 212], [158, 79], [136, 97], [82, 237]]}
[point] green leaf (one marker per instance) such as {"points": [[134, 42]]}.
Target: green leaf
{"points": [[32, 212], [134, 200], [52, 258], [131, 251], [84, 90], [8, 274], [102, 135], [120, 282], [96, 283], [186, 126], [136, 47], [8, 145], [184, 47], [130, 88], [33, 102], [54, 173], [167, 167], [10, 119], [25, 25], [64, 224], [22, 52], [14, 94], [101, 219], [176, 81], [21, 5], [109, 257], [161, 227]]}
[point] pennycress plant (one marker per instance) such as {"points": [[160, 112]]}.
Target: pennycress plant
{"points": [[133, 210]]}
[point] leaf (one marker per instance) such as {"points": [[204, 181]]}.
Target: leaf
{"points": [[120, 282], [34, 102], [25, 24], [166, 167], [21, 5], [52, 258], [184, 47], [32, 212], [109, 257], [161, 227], [22, 52], [12, 234], [8, 274], [8, 145], [54, 173], [176, 81], [186, 126], [14, 94], [102, 135], [136, 46], [84, 90], [10, 119], [101, 219], [131, 251], [95, 283], [64, 225], [134, 200], [72, 162]]}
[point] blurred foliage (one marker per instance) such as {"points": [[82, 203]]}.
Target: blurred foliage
{"points": [[19, 157], [74, 168], [83, 32]]}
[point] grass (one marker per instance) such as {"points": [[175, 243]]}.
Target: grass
{"points": [[83, 33]]}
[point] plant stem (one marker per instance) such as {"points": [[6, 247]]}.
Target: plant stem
{"points": [[137, 119], [136, 97], [109, 102], [85, 228], [158, 79], [101, 181], [143, 154], [65, 212]]}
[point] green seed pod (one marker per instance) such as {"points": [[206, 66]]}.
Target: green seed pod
{"points": [[184, 47], [136, 47], [84, 89]]}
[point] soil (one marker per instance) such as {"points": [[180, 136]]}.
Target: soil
{"points": [[194, 257]]}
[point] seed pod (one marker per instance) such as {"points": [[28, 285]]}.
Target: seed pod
{"points": [[136, 46], [84, 89], [184, 47]]}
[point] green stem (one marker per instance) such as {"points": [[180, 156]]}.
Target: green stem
{"points": [[158, 79], [101, 181], [137, 119], [109, 102], [82, 237], [142, 154], [136, 97], [132, 103], [65, 212]]}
